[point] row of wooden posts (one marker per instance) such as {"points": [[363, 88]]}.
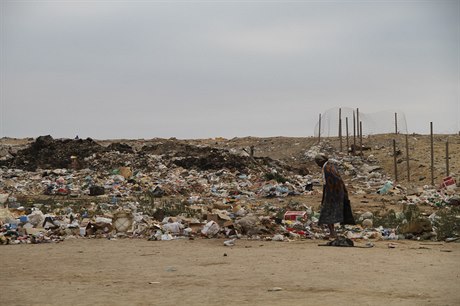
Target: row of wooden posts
{"points": [[357, 128], [431, 151], [358, 133]]}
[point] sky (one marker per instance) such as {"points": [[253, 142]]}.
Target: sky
{"points": [[202, 69]]}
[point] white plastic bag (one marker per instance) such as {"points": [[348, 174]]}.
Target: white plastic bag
{"points": [[210, 229]]}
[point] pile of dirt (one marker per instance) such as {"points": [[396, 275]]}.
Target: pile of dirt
{"points": [[120, 147], [199, 157], [214, 159], [168, 146], [48, 153]]}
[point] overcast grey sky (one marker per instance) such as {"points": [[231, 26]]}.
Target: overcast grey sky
{"points": [[198, 69]]}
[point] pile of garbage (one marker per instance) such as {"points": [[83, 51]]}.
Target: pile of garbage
{"points": [[131, 219], [57, 189], [83, 167], [40, 223]]}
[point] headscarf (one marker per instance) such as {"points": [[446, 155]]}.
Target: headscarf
{"points": [[321, 158]]}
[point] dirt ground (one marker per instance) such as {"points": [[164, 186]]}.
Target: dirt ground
{"points": [[185, 272], [197, 272]]}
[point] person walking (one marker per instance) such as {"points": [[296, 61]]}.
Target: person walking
{"points": [[335, 204]]}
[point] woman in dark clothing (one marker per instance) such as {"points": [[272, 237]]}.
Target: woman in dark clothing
{"points": [[335, 205]]}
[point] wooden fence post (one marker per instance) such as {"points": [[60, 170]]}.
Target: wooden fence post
{"points": [[407, 157], [447, 157], [354, 133], [357, 120], [432, 153], [340, 129], [346, 126], [395, 160], [319, 129], [361, 137]]}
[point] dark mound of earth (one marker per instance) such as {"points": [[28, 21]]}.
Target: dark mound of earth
{"points": [[199, 157], [47, 153], [174, 148], [214, 159], [120, 147]]}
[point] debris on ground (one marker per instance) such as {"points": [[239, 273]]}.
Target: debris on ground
{"points": [[56, 189]]}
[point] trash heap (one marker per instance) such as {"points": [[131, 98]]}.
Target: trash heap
{"points": [[73, 167], [54, 190], [366, 178]]}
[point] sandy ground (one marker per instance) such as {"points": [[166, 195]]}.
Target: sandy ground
{"points": [[185, 272]]}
